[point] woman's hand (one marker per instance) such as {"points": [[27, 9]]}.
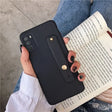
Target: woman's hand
{"points": [[76, 65], [106, 96], [28, 69]]}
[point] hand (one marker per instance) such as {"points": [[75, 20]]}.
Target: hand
{"points": [[28, 69], [26, 63], [106, 96], [76, 65]]}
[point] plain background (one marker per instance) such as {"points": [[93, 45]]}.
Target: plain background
{"points": [[15, 17]]}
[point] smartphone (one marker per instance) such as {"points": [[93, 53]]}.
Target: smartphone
{"points": [[48, 55]]}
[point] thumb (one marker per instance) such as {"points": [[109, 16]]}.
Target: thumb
{"points": [[26, 64], [24, 55]]}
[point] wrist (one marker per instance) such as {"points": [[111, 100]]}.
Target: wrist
{"points": [[30, 74]]}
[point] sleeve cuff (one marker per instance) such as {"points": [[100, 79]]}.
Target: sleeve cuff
{"points": [[30, 86]]}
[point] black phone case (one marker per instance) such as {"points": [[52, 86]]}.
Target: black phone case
{"points": [[48, 55]]}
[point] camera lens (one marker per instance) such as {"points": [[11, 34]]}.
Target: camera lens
{"points": [[28, 43], [26, 38]]}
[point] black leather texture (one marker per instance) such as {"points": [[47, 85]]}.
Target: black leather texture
{"points": [[48, 54]]}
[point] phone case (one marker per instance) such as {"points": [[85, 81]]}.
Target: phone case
{"points": [[48, 55]]}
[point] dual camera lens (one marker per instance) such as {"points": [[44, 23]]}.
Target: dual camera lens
{"points": [[27, 40]]}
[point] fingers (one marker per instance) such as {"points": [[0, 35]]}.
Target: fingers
{"points": [[104, 99], [24, 54], [81, 77], [26, 64], [109, 91], [75, 65], [66, 39], [71, 56], [74, 68]]}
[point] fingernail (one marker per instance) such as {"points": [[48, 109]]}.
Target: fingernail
{"points": [[74, 69], [72, 58], [81, 77], [21, 48]]}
